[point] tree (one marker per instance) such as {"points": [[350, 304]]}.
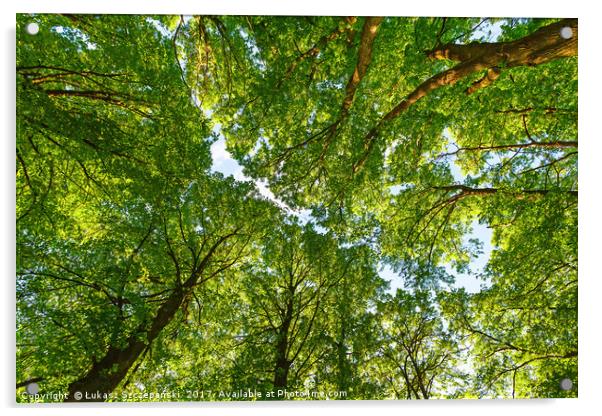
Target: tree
{"points": [[418, 355], [382, 142], [291, 293], [124, 253]]}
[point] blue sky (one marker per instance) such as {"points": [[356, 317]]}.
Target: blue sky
{"points": [[224, 163]]}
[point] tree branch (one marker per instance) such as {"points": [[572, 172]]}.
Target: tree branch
{"points": [[558, 144], [541, 46], [315, 49], [519, 193]]}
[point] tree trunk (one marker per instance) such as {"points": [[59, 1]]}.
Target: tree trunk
{"points": [[106, 374], [344, 373], [282, 366]]}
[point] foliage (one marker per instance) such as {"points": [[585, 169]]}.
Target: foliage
{"points": [[383, 142]]}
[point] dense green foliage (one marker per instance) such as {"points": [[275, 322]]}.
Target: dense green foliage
{"points": [[383, 140]]}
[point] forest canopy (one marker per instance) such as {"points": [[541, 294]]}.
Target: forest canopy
{"points": [[395, 215]]}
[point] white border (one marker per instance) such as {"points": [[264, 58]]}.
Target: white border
{"points": [[590, 288]]}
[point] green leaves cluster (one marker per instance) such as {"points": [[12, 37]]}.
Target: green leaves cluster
{"points": [[140, 268]]}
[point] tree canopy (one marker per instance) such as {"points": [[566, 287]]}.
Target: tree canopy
{"points": [[366, 143]]}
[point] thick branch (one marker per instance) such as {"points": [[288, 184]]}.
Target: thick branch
{"points": [[558, 144], [546, 110], [519, 193], [541, 46], [363, 61], [491, 75]]}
